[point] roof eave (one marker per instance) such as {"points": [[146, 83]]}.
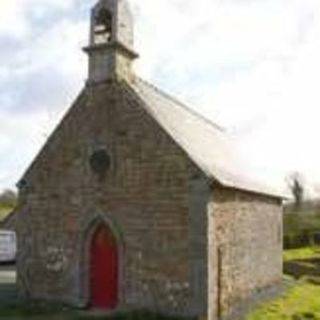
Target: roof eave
{"points": [[214, 181]]}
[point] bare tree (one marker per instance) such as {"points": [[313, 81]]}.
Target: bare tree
{"points": [[296, 185]]}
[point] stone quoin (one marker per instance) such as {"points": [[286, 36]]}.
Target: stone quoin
{"points": [[137, 202]]}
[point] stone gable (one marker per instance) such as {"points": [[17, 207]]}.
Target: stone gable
{"points": [[144, 194]]}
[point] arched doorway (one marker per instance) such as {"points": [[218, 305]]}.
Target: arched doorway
{"points": [[103, 269]]}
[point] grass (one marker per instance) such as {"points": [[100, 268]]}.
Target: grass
{"points": [[302, 299], [301, 302], [301, 254]]}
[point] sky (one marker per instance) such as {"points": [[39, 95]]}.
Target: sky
{"points": [[252, 66]]}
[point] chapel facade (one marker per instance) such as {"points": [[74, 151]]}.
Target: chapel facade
{"points": [[137, 202]]}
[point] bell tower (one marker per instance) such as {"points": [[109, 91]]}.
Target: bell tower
{"points": [[111, 42]]}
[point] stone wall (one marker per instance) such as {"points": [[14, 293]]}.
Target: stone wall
{"points": [[143, 197], [245, 251], [160, 208]]}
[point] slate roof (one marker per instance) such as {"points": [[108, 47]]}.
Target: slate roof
{"points": [[208, 145]]}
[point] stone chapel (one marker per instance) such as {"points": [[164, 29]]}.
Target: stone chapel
{"points": [[137, 202]]}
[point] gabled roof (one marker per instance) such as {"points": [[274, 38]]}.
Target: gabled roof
{"points": [[208, 145]]}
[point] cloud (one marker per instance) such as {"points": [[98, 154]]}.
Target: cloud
{"points": [[273, 107], [15, 14], [11, 19], [47, 73], [42, 74], [20, 138]]}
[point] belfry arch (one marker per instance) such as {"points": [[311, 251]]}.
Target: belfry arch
{"points": [[103, 27]]}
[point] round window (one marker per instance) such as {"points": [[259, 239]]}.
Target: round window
{"points": [[100, 161]]}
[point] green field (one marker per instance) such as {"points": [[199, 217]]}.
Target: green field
{"points": [[301, 301]]}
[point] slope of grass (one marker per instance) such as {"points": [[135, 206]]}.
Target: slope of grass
{"points": [[301, 302], [302, 299]]}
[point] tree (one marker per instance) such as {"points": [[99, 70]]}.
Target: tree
{"points": [[8, 198], [296, 186]]}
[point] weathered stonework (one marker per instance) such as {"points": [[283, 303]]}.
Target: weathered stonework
{"points": [[245, 250], [160, 207], [187, 244], [144, 196], [111, 59]]}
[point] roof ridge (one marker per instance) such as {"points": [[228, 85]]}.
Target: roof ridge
{"points": [[183, 105], [207, 145]]}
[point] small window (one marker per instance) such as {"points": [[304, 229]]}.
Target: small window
{"points": [[100, 162], [103, 27]]}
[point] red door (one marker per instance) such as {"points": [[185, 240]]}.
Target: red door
{"points": [[104, 269]]}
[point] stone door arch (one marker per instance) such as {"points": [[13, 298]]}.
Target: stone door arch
{"points": [[105, 230], [104, 267]]}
